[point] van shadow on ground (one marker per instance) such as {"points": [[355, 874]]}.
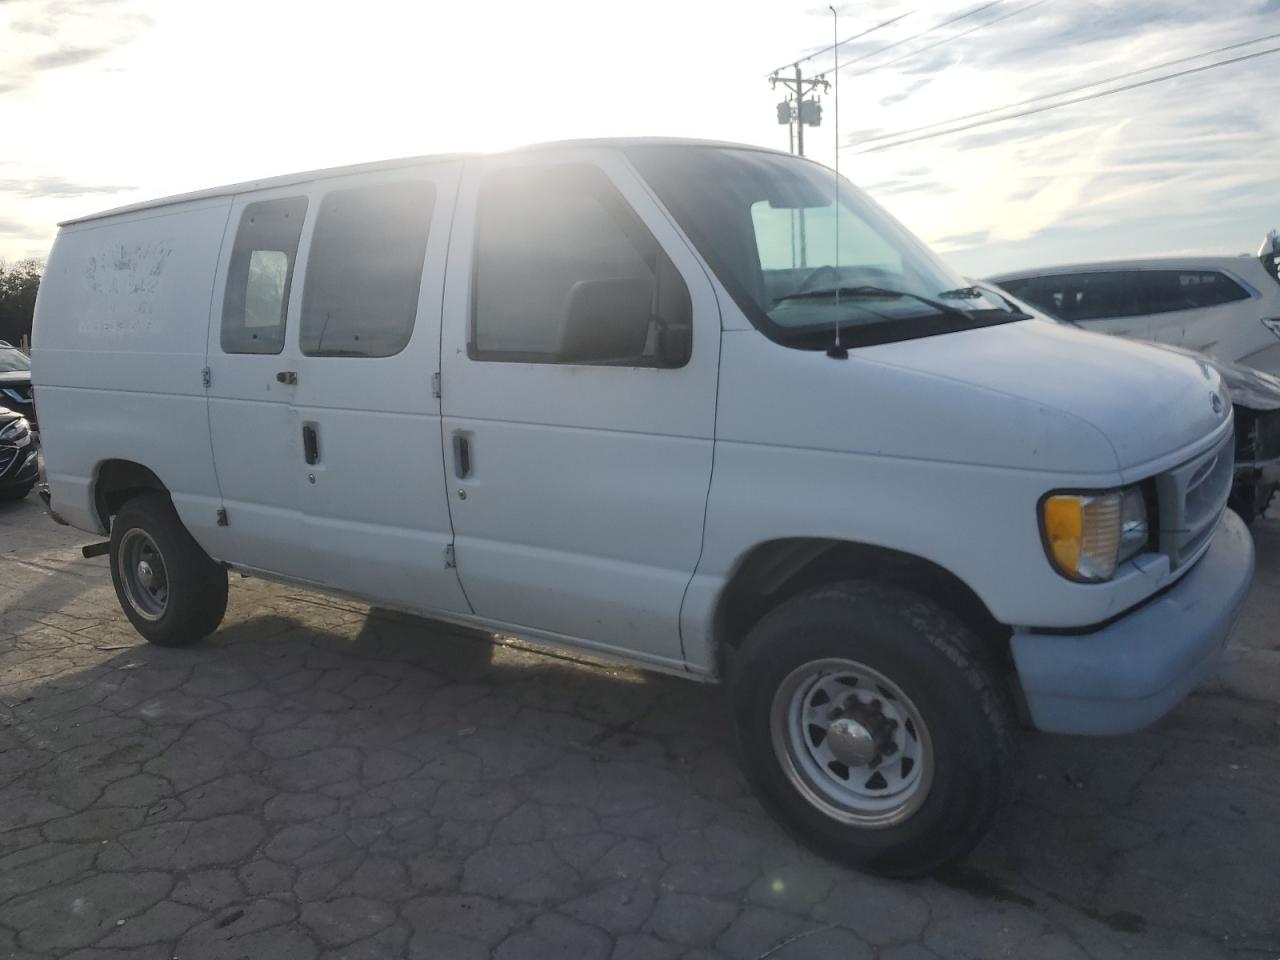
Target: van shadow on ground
{"points": [[317, 775]]}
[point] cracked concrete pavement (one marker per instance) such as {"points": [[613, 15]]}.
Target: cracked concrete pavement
{"points": [[322, 780]]}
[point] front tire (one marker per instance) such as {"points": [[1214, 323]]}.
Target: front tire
{"points": [[169, 588], [869, 724]]}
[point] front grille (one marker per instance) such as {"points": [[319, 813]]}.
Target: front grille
{"points": [[1192, 498], [8, 455]]}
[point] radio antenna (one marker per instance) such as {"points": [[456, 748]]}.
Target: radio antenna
{"points": [[837, 350]]}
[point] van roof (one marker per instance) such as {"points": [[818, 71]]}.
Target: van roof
{"points": [[248, 186]]}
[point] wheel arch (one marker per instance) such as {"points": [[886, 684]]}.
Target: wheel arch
{"points": [[776, 570], [117, 481]]}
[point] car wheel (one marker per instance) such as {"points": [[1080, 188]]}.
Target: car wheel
{"points": [[870, 726], [1251, 500], [168, 587], [16, 493]]}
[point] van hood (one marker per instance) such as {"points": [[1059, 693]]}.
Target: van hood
{"points": [[1147, 402]]}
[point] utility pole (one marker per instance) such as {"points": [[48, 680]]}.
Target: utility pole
{"points": [[796, 111], [799, 113]]}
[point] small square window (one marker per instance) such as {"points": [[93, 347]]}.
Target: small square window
{"points": [[260, 274]]}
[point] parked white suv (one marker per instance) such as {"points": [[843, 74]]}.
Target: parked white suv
{"points": [[1226, 307], [631, 397]]}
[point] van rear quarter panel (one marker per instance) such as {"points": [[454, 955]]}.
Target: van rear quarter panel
{"points": [[118, 347]]}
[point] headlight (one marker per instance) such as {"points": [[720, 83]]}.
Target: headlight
{"points": [[15, 431], [1088, 535]]}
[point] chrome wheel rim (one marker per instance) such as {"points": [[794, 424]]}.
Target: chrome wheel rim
{"points": [[143, 574], [852, 743]]}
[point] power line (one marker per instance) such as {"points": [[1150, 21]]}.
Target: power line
{"points": [[922, 33], [796, 112], [1066, 103], [834, 46], [1077, 89], [944, 40]]}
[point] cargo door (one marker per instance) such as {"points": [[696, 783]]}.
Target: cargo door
{"points": [[368, 446]]}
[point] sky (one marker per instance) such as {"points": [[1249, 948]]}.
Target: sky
{"points": [[106, 102]]}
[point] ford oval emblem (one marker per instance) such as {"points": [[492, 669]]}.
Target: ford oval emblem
{"points": [[1215, 401]]}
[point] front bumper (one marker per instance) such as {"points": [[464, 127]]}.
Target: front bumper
{"points": [[1133, 671]]}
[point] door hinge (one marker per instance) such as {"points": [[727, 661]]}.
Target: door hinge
{"points": [[222, 517], [435, 385], [206, 377], [449, 562]]}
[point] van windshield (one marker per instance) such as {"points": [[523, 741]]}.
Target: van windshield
{"points": [[767, 225]]}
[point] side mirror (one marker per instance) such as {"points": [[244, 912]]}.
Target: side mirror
{"points": [[1270, 245], [674, 345], [1269, 254], [607, 321]]}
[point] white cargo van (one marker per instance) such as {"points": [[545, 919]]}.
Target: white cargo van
{"points": [[668, 402]]}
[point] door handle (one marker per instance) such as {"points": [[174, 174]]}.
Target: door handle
{"points": [[289, 377], [461, 455], [310, 443]]}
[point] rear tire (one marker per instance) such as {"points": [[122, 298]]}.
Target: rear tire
{"points": [[169, 588], [869, 724]]}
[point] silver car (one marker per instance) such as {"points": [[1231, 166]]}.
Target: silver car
{"points": [[1225, 307]]}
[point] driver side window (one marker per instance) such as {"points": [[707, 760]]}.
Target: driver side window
{"points": [[566, 272]]}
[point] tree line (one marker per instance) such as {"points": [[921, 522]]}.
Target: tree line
{"points": [[19, 282]]}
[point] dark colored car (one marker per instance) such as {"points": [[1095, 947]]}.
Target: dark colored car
{"points": [[15, 382], [19, 467]]}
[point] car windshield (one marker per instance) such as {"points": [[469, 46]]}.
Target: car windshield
{"points": [[12, 360], [767, 225]]}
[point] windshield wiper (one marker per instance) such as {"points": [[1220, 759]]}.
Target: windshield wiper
{"points": [[961, 293], [1013, 307], [878, 293]]}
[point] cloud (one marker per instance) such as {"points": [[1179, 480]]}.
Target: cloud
{"points": [[55, 187], [971, 239], [42, 27], [886, 188], [62, 34], [1148, 169], [906, 93], [14, 228], [66, 57]]}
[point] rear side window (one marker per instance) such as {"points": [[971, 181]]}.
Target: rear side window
{"points": [[566, 272], [1170, 290], [1017, 287], [1086, 296], [260, 275], [364, 270]]}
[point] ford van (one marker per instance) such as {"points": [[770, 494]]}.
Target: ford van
{"points": [[687, 405]]}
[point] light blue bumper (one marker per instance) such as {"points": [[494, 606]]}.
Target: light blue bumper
{"points": [[1135, 670]]}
